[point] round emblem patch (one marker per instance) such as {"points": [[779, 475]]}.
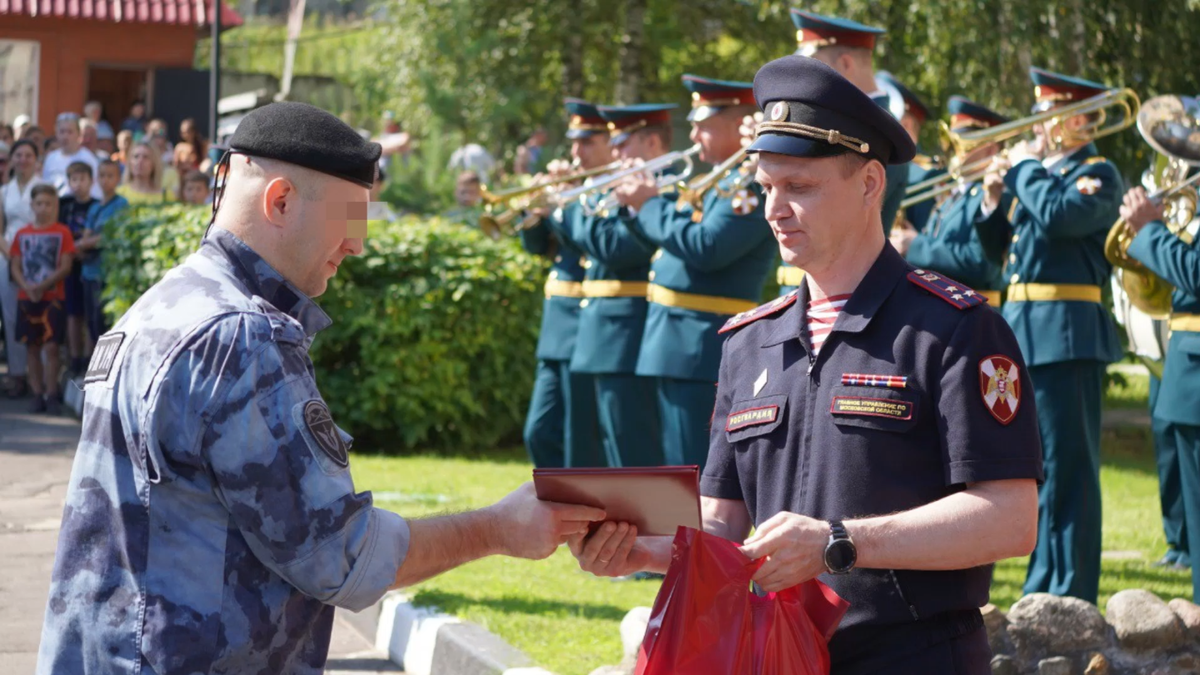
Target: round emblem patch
{"points": [[779, 111], [325, 432], [744, 202], [1000, 386]]}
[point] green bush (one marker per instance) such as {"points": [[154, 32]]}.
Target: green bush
{"points": [[434, 326]]}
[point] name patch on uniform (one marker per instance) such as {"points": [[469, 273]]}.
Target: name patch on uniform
{"points": [[325, 432], [752, 417], [104, 356], [872, 407]]}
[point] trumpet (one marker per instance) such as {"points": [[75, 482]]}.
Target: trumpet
{"points": [[519, 199], [693, 193], [608, 202], [1170, 125], [1122, 101]]}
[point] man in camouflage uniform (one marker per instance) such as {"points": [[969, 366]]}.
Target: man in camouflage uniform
{"points": [[211, 523]]}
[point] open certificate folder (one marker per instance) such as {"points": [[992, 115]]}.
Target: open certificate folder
{"points": [[658, 500]]}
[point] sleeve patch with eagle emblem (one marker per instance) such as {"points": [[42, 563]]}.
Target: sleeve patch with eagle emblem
{"points": [[1088, 185], [744, 202]]}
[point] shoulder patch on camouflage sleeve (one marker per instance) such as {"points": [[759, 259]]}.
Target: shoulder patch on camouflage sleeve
{"points": [[757, 313], [958, 295], [325, 432]]}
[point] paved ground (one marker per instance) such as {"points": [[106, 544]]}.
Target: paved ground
{"points": [[35, 465]]}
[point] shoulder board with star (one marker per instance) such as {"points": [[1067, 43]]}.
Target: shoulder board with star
{"points": [[958, 295], [772, 307]]}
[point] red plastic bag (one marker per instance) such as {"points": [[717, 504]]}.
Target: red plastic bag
{"points": [[707, 621]]}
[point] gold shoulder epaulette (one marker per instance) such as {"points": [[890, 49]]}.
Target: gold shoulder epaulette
{"points": [[1094, 160]]}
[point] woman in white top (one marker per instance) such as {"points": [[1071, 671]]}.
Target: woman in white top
{"points": [[18, 212]]}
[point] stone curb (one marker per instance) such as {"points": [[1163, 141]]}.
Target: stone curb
{"points": [[423, 641]]}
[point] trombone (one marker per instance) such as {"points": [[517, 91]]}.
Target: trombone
{"points": [[931, 188], [1124, 102], [519, 199], [609, 202]]}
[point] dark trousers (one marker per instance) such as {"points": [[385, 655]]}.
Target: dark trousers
{"points": [[1170, 491], [949, 645], [561, 428], [1066, 560], [686, 409], [1187, 439], [629, 422]]}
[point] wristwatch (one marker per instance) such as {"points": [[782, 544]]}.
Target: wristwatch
{"points": [[840, 553]]}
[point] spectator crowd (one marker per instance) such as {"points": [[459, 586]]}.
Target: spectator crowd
{"points": [[58, 190]]}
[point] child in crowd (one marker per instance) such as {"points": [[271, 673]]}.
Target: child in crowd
{"points": [[69, 150], [195, 188], [102, 211], [41, 258], [73, 213]]}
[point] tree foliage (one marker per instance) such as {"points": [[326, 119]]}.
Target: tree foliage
{"points": [[495, 69]]}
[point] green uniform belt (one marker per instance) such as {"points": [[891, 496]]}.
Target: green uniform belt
{"points": [[611, 288], [1185, 322], [789, 276], [563, 289], [1049, 292], [661, 295]]}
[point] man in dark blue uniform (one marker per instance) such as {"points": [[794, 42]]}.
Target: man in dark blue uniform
{"points": [[923, 166], [561, 428], [715, 251], [1176, 258], [1067, 199], [211, 524], [613, 311], [876, 388], [847, 47], [949, 244]]}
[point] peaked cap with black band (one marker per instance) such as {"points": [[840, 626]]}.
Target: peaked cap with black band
{"points": [[809, 110], [304, 135]]}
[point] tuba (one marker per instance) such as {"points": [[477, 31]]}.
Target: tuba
{"points": [[1170, 125]]}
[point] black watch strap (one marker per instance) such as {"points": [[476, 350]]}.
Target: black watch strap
{"points": [[840, 553]]}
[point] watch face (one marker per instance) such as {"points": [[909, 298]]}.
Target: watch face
{"points": [[840, 556]]}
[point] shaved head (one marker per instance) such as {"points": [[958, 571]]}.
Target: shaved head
{"points": [[297, 219]]}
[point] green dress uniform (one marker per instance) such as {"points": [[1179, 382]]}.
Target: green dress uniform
{"points": [[561, 428], [612, 314], [814, 31], [1178, 401], [710, 264], [949, 244], [1170, 483], [1056, 270], [922, 168]]}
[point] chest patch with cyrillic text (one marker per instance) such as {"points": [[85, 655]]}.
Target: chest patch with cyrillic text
{"points": [[752, 417], [872, 407]]}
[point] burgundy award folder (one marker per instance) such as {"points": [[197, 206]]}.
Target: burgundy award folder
{"points": [[655, 499]]}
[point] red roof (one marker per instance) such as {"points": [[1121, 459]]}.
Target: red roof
{"points": [[176, 12]]}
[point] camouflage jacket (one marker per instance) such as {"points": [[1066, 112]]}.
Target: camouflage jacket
{"points": [[211, 524]]}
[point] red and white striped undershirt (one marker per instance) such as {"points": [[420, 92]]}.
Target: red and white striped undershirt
{"points": [[822, 314]]}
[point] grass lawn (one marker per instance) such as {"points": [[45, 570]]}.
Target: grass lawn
{"points": [[567, 621]]}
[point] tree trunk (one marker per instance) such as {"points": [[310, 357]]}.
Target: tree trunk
{"points": [[572, 56], [629, 85]]}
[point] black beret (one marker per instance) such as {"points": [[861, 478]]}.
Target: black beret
{"points": [[809, 110], [304, 135]]}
